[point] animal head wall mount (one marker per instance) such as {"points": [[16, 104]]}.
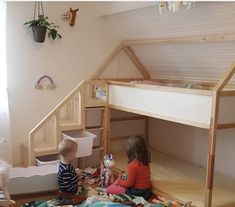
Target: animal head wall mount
{"points": [[70, 16]]}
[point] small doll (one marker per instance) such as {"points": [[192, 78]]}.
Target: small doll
{"points": [[100, 93], [107, 173]]}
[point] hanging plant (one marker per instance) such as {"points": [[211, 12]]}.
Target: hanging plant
{"points": [[41, 25]]}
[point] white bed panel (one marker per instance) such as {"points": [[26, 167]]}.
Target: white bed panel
{"points": [[190, 109], [33, 179], [226, 110]]}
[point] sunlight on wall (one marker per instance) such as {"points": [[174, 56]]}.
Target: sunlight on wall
{"points": [[5, 149], [3, 82]]}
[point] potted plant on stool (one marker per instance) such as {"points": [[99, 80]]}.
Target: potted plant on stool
{"points": [[41, 25]]}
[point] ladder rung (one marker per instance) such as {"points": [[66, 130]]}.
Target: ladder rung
{"points": [[45, 151], [94, 108], [94, 128], [98, 148], [127, 118], [226, 126]]}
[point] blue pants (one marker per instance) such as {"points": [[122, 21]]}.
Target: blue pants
{"points": [[145, 193]]}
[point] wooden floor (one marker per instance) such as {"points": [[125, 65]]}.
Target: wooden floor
{"points": [[174, 178], [22, 199]]}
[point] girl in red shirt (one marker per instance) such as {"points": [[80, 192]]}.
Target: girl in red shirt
{"points": [[138, 181]]}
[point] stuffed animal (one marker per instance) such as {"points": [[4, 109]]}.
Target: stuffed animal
{"points": [[4, 180], [107, 173]]}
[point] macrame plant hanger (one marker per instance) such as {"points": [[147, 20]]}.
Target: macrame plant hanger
{"points": [[38, 6], [39, 31]]}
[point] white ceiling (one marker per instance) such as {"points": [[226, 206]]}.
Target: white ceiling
{"points": [[204, 61]]}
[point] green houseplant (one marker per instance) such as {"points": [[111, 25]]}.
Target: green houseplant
{"points": [[40, 26]]}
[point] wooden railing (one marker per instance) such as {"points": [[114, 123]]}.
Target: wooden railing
{"points": [[73, 105]]}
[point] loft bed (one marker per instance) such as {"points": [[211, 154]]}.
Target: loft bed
{"points": [[172, 177], [203, 105]]}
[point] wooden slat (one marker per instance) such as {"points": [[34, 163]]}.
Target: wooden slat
{"points": [[122, 79], [25, 155], [94, 108], [162, 88], [227, 93], [226, 77], [178, 81], [160, 116], [66, 127], [58, 132], [127, 118], [94, 128], [226, 126], [32, 160], [98, 148], [130, 53], [93, 102], [82, 114], [103, 66], [105, 121], [180, 40], [46, 151]]}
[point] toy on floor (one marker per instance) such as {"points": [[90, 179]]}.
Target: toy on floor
{"points": [[5, 199], [107, 172], [167, 203], [89, 176]]}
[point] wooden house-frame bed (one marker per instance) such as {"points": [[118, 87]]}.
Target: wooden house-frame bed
{"points": [[209, 109], [205, 107], [172, 177]]}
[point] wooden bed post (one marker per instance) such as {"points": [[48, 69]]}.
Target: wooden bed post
{"points": [[32, 157], [212, 134], [106, 122], [105, 132], [211, 149]]}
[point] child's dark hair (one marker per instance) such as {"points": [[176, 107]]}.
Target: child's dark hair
{"points": [[137, 149]]}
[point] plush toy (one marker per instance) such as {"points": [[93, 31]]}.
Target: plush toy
{"points": [[4, 180], [107, 173]]}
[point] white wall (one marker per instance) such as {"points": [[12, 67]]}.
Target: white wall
{"points": [[124, 129], [191, 144], [68, 61]]}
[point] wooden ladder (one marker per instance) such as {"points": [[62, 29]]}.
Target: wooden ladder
{"points": [[69, 114]]}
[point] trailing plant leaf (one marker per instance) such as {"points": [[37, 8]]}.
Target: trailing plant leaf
{"points": [[42, 22]]}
